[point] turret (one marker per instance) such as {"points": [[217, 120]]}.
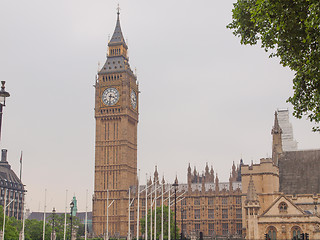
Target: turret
{"points": [[252, 206], [212, 175], [156, 176], [217, 183], [276, 140], [189, 178], [231, 179]]}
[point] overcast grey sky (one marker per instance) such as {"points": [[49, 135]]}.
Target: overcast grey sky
{"points": [[204, 97]]}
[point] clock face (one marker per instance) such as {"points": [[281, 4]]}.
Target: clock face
{"points": [[133, 99], [110, 96]]}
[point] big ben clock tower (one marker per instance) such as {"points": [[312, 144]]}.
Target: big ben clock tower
{"points": [[116, 114]]}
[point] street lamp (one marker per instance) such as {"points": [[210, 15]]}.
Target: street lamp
{"points": [[175, 185], [53, 234], [3, 96], [71, 207]]}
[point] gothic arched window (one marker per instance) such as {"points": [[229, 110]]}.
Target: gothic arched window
{"points": [[296, 231], [283, 207], [272, 233]]}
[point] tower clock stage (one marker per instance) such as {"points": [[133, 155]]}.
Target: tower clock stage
{"points": [[116, 114]]}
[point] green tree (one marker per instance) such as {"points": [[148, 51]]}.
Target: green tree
{"points": [[291, 30], [33, 230], [12, 227], [165, 223], [59, 225]]}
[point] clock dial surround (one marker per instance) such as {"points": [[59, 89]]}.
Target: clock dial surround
{"points": [[110, 96]]}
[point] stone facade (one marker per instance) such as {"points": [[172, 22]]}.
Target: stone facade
{"points": [[116, 114], [268, 211], [206, 205], [268, 204]]}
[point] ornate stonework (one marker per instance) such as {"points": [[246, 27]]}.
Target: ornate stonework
{"points": [[116, 114]]}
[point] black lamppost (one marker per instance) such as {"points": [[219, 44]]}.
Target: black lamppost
{"points": [[53, 231], [175, 208], [71, 207], [3, 96]]}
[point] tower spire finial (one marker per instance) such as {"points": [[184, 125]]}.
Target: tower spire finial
{"points": [[118, 9]]}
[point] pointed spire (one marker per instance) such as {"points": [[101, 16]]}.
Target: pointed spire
{"points": [[251, 194], [189, 169], [276, 140], [117, 37], [217, 183], [207, 168], [156, 175], [276, 127], [150, 181], [163, 181], [231, 179]]}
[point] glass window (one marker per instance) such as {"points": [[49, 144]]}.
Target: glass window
{"points": [[283, 207], [210, 201], [272, 233], [224, 213], [197, 227], [184, 214], [131, 215], [196, 201], [211, 213], [197, 214], [239, 228], [211, 229], [224, 201], [225, 228], [296, 231], [238, 213]]}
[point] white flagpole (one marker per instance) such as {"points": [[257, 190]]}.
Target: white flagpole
{"points": [[151, 215], [86, 221], [44, 214], [146, 210], [155, 212], [108, 214], [169, 217], [24, 216], [129, 217], [162, 211], [4, 212], [138, 208], [65, 218]]}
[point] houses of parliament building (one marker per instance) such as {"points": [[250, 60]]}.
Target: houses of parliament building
{"points": [[209, 206]]}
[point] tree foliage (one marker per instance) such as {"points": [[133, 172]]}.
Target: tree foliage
{"points": [[291, 30], [12, 227], [34, 228], [158, 226]]}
